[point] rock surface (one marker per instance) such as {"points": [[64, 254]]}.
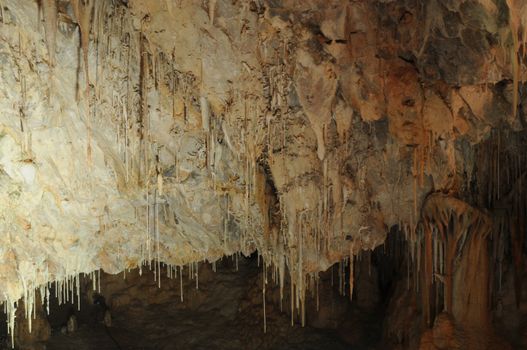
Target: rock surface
{"points": [[139, 132]]}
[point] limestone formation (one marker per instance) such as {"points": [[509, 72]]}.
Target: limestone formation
{"points": [[135, 133]]}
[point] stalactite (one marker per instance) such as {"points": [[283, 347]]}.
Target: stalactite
{"points": [[23, 90], [281, 272], [83, 11], [49, 9], [427, 274], [205, 113], [181, 282], [264, 283], [414, 174], [292, 299], [351, 275], [11, 308], [147, 232], [226, 220], [315, 233], [197, 275], [158, 257], [462, 231]]}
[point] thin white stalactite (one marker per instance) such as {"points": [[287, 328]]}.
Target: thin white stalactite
{"points": [[181, 282], [264, 282]]}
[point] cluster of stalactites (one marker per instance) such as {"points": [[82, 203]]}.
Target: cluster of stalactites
{"points": [[452, 231], [141, 163], [501, 177], [66, 290], [69, 289]]}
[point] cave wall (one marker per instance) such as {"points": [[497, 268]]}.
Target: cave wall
{"points": [[138, 132]]}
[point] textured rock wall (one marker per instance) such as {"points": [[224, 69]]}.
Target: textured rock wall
{"points": [[135, 132]]}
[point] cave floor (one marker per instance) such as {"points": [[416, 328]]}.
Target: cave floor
{"points": [[162, 328]]}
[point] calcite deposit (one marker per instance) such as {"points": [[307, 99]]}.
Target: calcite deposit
{"points": [[135, 133]]}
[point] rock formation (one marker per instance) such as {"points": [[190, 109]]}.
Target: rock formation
{"points": [[139, 133]]}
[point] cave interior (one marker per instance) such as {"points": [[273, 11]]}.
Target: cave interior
{"points": [[263, 174]]}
